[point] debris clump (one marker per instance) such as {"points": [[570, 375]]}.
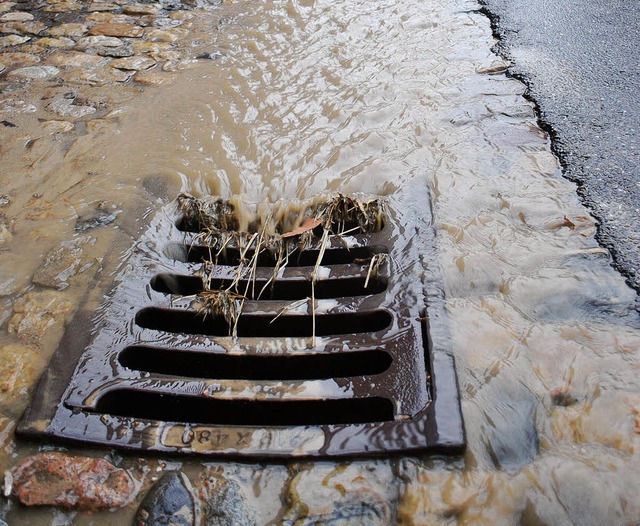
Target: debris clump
{"points": [[278, 233]]}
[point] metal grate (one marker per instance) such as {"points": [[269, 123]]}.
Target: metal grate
{"points": [[155, 375]]}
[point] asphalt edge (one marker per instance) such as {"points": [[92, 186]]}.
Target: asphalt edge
{"points": [[557, 149]]}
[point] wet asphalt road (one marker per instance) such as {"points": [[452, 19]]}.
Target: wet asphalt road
{"points": [[581, 62]]}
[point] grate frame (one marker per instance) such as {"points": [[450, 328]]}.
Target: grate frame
{"points": [[423, 413]]}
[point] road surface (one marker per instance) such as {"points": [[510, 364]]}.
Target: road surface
{"points": [[580, 62]]}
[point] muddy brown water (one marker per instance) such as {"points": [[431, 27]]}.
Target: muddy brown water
{"points": [[313, 97]]}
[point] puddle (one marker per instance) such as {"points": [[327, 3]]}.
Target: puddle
{"points": [[310, 98]]}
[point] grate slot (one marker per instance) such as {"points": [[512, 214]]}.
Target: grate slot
{"points": [[193, 364], [193, 410], [350, 227], [278, 290], [260, 325], [307, 258]]}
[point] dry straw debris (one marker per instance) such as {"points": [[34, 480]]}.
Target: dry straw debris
{"points": [[215, 224]]}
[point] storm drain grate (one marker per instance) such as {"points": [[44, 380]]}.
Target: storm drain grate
{"points": [[361, 372]]}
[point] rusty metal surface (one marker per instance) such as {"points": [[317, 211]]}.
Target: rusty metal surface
{"points": [[147, 373]]}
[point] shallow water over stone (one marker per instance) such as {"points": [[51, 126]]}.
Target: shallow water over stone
{"points": [[311, 97]]}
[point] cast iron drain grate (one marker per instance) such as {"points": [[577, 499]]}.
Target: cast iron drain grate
{"points": [[365, 372]]}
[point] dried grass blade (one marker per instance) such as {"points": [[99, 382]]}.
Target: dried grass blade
{"points": [[293, 305], [323, 247], [371, 264]]}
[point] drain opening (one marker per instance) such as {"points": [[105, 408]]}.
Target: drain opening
{"points": [[192, 410], [260, 325], [193, 364], [307, 258], [279, 290]]}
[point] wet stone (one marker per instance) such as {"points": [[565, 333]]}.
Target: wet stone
{"points": [[63, 263], [167, 22], [117, 18], [19, 59], [16, 106], [171, 66], [101, 7], [182, 15], [5, 234], [34, 72], [95, 125], [117, 30], [141, 9], [73, 59], [171, 5], [18, 371], [163, 35], [104, 214], [342, 497], [11, 280], [157, 185], [67, 108], [170, 501], [115, 52], [9, 286], [13, 40], [223, 503], [71, 482], [69, 30], [215, 55], [6, 6], [63, 7], [99, 42], [133, 63], [105, 97], [103, 18], [16, 16], [33, 48], [509, 429], [5, 311], [582, 493], [57, 126], [203, 3], [172, 56], [151, 78], [61, 42], [99, 77], [160, 56], [59, 6], [22, 28], [151, 47], [36, 312]]}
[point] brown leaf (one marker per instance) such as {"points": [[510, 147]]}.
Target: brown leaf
{"points": [[308, 224]]}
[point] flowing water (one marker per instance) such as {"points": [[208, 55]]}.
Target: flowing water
{"points": [[311, 97]]}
